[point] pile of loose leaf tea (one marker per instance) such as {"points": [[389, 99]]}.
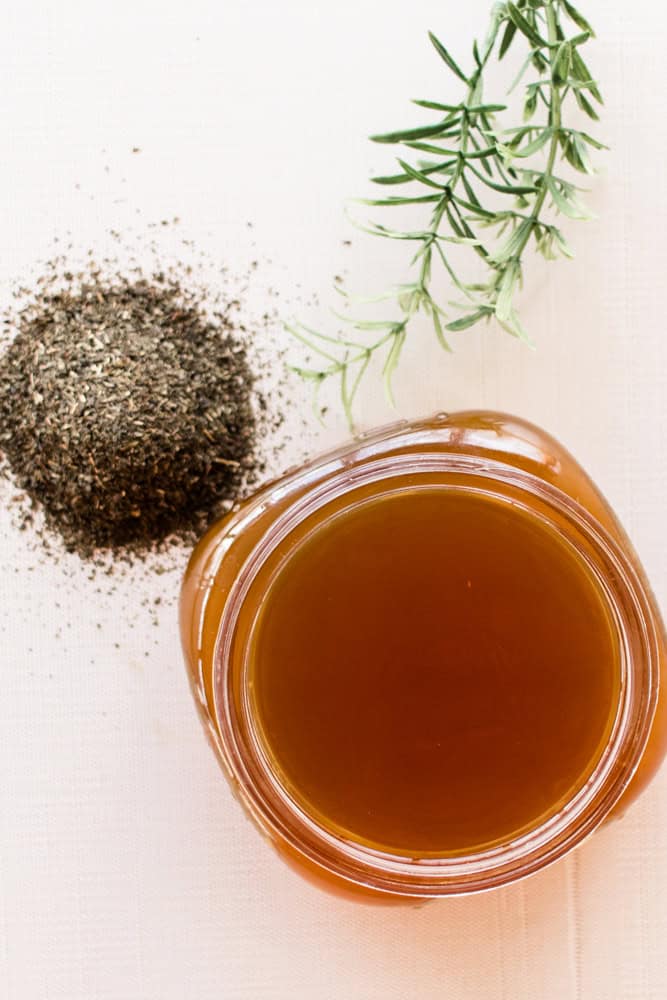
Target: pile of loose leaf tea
{"points": [[128, 412]]}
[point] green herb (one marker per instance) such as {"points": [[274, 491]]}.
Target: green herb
{"points": [[490, 191]]}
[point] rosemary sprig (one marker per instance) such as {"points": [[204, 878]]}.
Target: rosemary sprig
{"points": [[474, 165]]}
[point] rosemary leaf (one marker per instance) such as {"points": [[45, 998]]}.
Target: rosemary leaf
{"points": [[578, 18], [391, 363], [524, 26], [465, 322], [411, 133], [508, 37], [445, 56]]}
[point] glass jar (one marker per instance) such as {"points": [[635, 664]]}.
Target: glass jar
{"points": [[232, 568]]}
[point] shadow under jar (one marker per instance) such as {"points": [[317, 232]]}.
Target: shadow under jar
{"points": [[429, 662]]}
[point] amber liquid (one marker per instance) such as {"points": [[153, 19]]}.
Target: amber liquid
{"points": [[433, 672]]}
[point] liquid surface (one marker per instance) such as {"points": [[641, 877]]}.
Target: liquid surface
{"points": [[433, 672]]}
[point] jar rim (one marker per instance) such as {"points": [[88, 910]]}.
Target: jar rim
{"points": [[278, 813]]}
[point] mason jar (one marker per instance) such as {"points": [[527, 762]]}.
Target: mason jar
{"points": [[498, 460]]}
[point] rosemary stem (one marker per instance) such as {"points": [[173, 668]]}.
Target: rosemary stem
{"points": [[555, 104]]}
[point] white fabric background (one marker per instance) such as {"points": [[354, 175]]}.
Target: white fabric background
{"points": [[127, 872]]}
